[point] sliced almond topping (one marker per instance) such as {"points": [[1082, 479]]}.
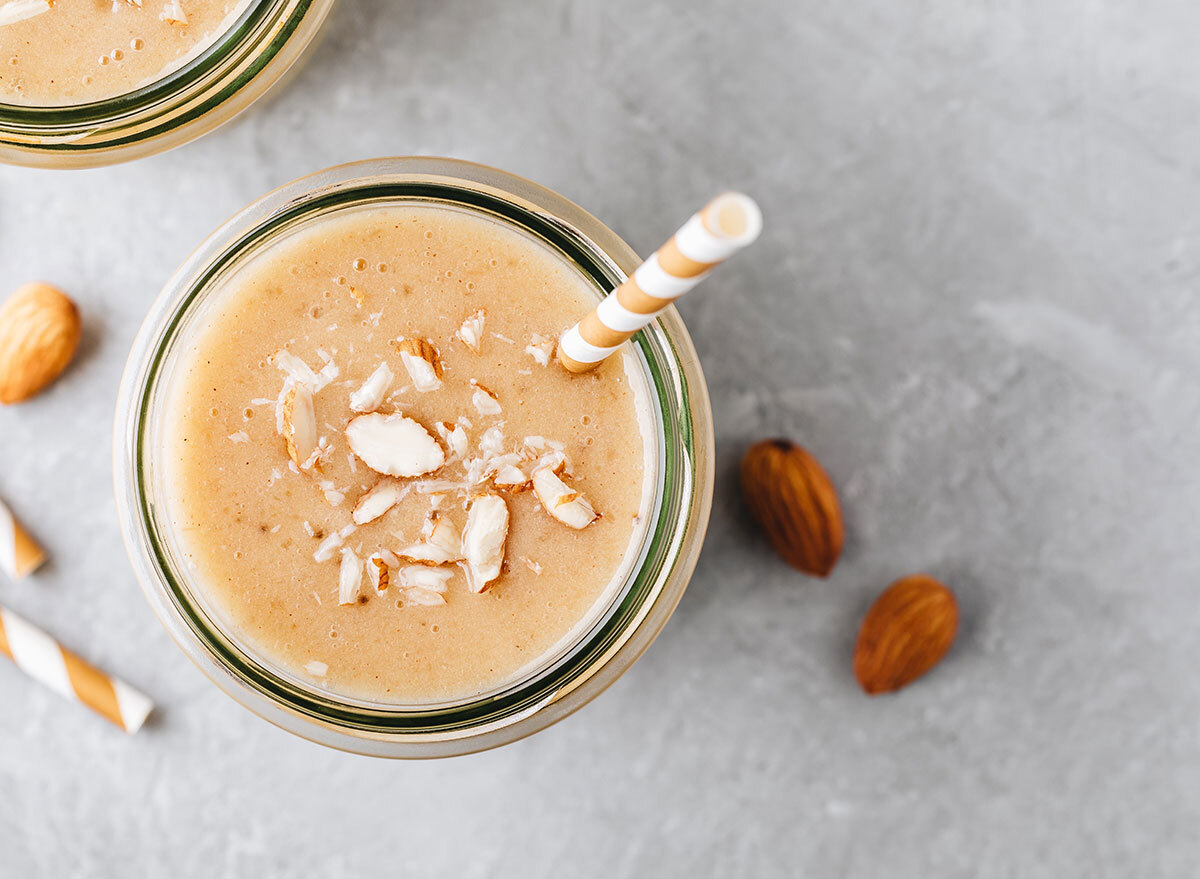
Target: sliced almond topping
{"points": [[560, 500], [510, 478], [394, 445], [421, 577], [370, 396], [423, 597], [350, 577], [327, 547], [424, 586], [539, 445], [301, 373], [19, 10], [422, 362], [554, 461], [442, 533], [173, 13], [483, 540], [471, 331], [494, 464], [540, 348], [484, 400], [427, 554], [491, 443], [438, 486], [385, 495], [453, 436], [300, 426], [377, 573], [476, 471]]}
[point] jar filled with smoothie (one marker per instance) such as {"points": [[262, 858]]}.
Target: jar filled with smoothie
{"points": [[90, 82], [361, 492]]}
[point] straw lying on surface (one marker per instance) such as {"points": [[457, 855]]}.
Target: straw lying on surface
{"points": [[726, 225], [19, 553], [45, 660]]}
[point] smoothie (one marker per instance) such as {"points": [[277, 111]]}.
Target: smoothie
{"points": [[76, 51], [381, 479]]}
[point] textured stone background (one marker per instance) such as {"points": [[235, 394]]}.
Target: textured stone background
{"points": [[974, 300]]}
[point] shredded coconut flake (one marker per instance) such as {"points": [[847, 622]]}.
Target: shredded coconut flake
{"points": [[471, 331], [173, 13], [540, 348], [333, 495], [327, 547]]}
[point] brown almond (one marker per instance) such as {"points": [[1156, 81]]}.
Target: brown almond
{"points": [[793, 499], [905, 633], [422, 349], [39, 332]]}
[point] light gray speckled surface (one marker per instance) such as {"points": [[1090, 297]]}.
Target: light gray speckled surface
{"points": [[975, 300]]}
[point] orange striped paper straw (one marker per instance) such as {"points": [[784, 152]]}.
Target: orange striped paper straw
{"points": [[723, 227], [19, 553], [46, 661]]}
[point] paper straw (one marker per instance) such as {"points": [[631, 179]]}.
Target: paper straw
{"points": [[45, 660], [723, 227], [19, 553]]}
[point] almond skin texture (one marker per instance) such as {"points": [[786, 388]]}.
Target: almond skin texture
{"points": [[39, 331], [906, 632], [792, 498]]}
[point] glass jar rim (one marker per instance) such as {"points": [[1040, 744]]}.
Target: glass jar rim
{"points": [[646, 600], [226, 76]]}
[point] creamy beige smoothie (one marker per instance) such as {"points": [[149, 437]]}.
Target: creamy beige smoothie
{"points": [[61, 52], [381, 479]]}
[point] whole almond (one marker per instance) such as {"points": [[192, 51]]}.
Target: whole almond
{"points": [[793, 499], [905, 633], [39, 331]]}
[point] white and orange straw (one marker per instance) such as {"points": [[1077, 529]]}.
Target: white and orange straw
{"points": [[44, 659], [723, 227], [48, 662], [19, 553]]}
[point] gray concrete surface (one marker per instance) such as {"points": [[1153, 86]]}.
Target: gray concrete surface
{"points": [[975, 300]]}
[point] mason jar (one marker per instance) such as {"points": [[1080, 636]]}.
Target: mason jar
{"points": [[246, 59], [631, 616]]}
